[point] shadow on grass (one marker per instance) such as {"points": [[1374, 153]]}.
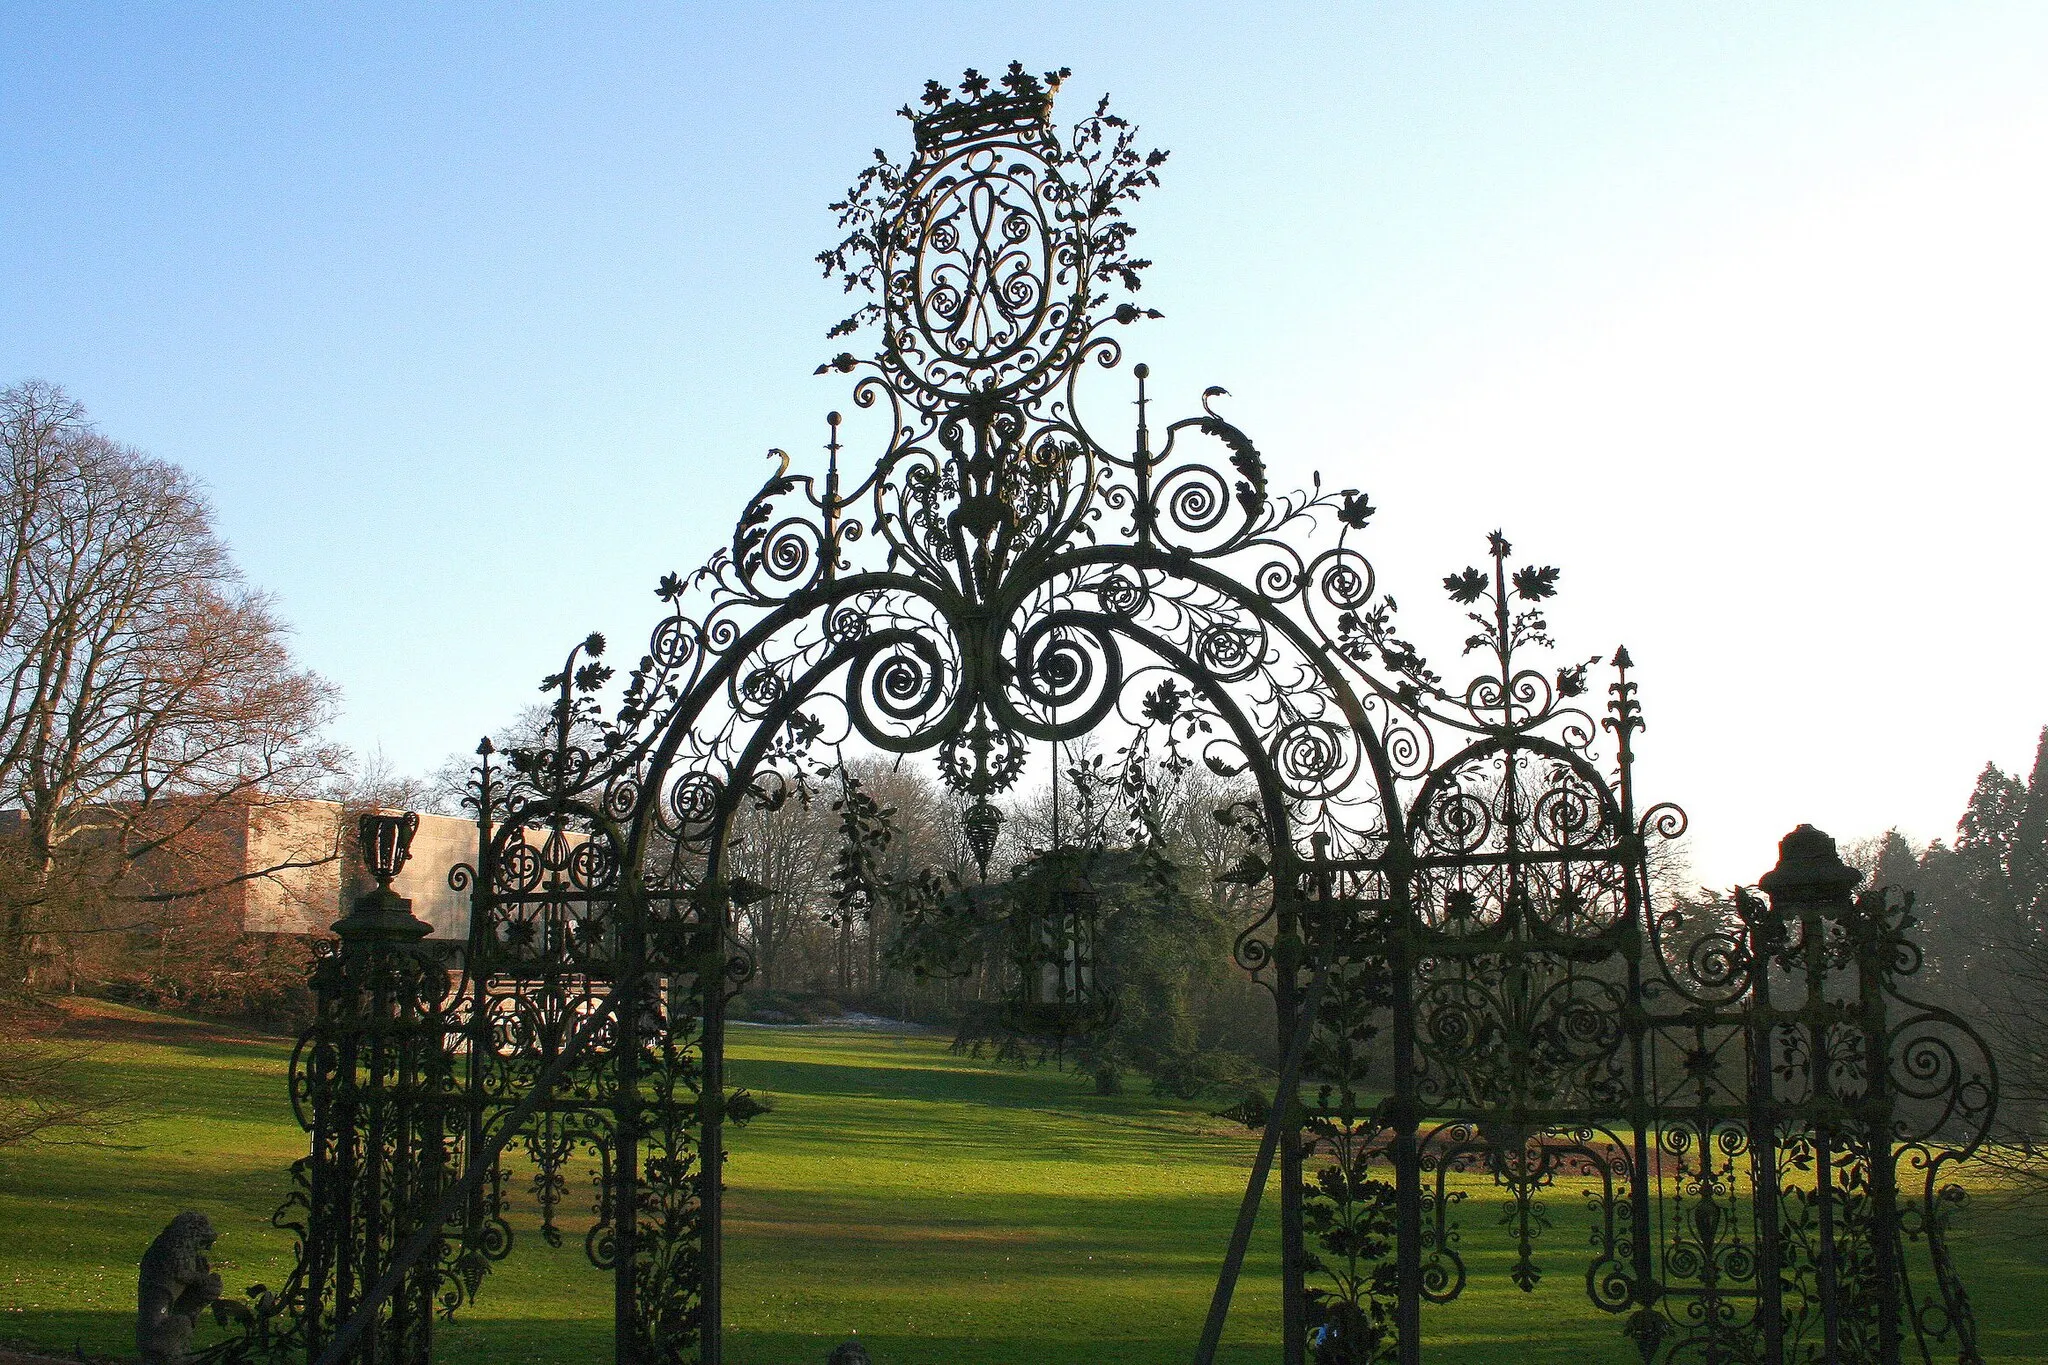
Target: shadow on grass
{"points": [[1005, 1087], [61, 1331], [940, 1227], [974, 1116]]}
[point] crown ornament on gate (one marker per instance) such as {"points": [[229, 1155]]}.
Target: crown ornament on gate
{"points": [[1021, 107], [987, 260]]}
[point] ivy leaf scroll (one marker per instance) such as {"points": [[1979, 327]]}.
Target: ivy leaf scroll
{"points": [[1244, 457], [1162, 703], [1533, 584], [1465, 588]]}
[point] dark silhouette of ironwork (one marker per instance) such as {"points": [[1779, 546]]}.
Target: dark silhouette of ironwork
{"points": [[375, 1081], [1470, 978]]}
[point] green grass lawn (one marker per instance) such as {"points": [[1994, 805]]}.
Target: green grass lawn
{"points": [[946, 1210]]}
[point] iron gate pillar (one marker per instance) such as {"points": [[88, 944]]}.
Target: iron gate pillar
{"points": [[378, 1071], [1817, 921]]}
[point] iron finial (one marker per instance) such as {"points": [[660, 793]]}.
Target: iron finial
{"points": [[1143, 372], [386, 840], [382, 915], [1810, 871]]}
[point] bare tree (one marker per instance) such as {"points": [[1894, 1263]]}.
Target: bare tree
{"points": [[148, 702], [2017, 1035], [925, 823], [786, 851]]}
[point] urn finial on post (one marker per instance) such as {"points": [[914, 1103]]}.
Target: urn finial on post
{"points": [[1810, 873], [385, 841]]}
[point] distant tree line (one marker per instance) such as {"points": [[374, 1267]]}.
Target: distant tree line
{"points": [[1981, 906], [873, 901]]}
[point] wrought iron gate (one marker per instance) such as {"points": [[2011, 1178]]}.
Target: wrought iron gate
{"points": [[1764, 1127], [1472, 984]]}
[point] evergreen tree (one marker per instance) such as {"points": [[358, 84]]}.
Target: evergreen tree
{"points": [[2029, 858], [1967, 897], [1988, 834], [2018, 1029]]}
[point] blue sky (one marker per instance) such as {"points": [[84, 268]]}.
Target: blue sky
{"points": [[475, 320]]}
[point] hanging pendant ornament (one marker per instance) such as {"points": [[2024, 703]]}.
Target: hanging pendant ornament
{"points": [[982, 824]]}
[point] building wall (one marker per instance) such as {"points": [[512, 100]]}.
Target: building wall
{"points": [[441, 842], [221, 845], [302, 839]]}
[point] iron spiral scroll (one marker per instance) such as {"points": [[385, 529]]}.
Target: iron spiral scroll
{"points": [[1454, 903]]}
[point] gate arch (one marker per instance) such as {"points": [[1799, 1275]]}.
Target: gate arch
{"points": [[1478, 927], [1000, 578]]}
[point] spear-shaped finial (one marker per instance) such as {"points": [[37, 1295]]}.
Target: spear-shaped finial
{"points": [[1626, 715], [1144, 447], [831, 546]]}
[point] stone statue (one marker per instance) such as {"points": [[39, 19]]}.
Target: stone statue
{"points": [[849, 1353], [175, 1285]]}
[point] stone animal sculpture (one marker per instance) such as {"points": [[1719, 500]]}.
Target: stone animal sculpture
{"points": [[173, 1288], [849, 1353]]}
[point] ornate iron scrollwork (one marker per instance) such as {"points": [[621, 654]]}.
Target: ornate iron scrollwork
{"points": [[1454, 907]]}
